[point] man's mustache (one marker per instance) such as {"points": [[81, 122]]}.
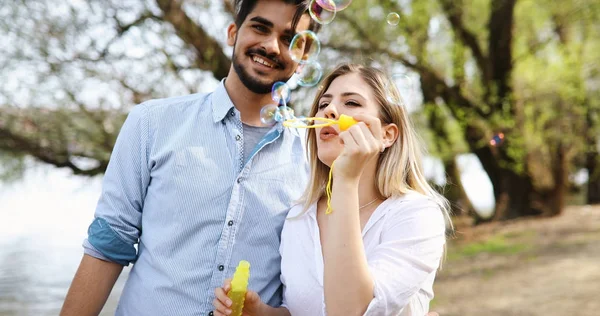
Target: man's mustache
{"points": [[272, 57]]}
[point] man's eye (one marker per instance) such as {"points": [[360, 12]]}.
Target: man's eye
{"points": [[260, 28], [286, 40]]}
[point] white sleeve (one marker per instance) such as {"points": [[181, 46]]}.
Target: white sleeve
{"points": [[412, 244]]}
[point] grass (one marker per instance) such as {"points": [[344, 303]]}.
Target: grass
{"points": [[499, 244]]}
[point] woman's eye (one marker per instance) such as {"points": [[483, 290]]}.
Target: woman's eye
{"points": [[352, 103], [323, 105]]}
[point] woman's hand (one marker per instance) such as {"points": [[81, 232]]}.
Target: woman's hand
{"points": [[362, 142], [222, 303]]}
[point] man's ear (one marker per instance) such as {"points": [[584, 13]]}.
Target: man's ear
{"points": [[231, 34]]}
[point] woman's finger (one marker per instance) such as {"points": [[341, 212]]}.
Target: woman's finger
{"points": [[373, 144], [220, 307], [221, 295], [358, 132], [350, 144], [374, 124], [227, 285]]}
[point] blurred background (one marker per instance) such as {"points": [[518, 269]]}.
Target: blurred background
{"points": [[506, 94]]}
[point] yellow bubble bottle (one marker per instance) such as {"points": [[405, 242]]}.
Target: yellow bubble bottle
{"points": [[239, 286]]}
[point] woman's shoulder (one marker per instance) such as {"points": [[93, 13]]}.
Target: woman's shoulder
{"points": [[414, 208], [412, 200]]}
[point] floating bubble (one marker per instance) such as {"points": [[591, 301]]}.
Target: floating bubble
{"points": [[305, 47], [405, 87], [309, 74], [393, 18], [322, 14], [280, 92], [287, 113], [338, 5], [270, 114], [497, 140]]}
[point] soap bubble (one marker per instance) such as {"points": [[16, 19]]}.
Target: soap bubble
{"points": [[393, 18], [305, 47], [321, 13], [280, 92], [404, 85], [270, 114], [338, 5], [497, 140], [309, 74], [287, 113]]}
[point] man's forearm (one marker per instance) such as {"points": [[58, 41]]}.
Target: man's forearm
{"points": [[91, 286]]}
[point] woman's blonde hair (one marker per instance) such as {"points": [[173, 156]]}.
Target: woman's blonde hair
{"points": [[399, 168]]}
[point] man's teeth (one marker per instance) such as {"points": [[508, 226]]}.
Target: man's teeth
{"points": [[262, 61]]}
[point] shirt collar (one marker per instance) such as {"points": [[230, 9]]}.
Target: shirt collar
{"points": [[221, 103]]}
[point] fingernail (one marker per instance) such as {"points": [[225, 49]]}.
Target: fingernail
{"points": [[227, 311], [229, 302]]}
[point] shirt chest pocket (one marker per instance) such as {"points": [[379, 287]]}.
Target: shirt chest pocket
{"points": [[197, 169]]}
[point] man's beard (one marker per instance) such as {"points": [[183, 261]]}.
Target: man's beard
{"points": [[254, 84]]}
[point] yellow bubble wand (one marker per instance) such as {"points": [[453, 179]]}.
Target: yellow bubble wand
{"points": [[344, 122]]}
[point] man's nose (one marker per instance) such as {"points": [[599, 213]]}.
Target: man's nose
{"points": [[271, 46]]}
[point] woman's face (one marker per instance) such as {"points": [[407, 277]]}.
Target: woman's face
{"points": [[348, 94]]}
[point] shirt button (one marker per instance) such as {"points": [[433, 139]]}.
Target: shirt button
{"points": [[232, 113], [210, 314], [230, 223], [238, 137], [239, 180], [221, 268]]}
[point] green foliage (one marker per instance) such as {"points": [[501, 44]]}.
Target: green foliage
{"points": [[12, 166]]}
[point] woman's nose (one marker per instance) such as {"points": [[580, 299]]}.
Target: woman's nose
{"points": [[330, 112]]}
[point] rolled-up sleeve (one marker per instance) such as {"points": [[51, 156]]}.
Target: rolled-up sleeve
{"points": [[412, 244], [117, 221]]}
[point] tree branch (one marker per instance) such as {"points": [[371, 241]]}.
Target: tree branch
{"points": [[454, 14], [500, 43], [209, 51]]}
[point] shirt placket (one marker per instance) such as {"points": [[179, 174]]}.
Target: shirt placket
{"points": [[234, 209]]}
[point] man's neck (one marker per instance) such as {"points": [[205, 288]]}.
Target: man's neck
{"points": [[247, 102]]}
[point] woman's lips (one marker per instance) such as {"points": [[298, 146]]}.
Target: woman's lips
{"points": [[328, 133]]}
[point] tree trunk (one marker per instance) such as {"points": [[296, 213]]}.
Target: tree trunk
{"points": [[592, 163], [455, 192], [513, 192], [593, 187], [553, 202]]}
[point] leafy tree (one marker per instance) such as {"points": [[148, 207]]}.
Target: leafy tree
{"points": [[527, 69]]}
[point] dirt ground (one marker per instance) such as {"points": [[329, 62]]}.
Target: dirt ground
{"points": [[547, 266]]}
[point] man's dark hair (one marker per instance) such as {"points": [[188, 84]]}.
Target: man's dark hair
{"points": [[244, 7]]}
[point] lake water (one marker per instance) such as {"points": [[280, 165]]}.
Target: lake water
{"points": [[43, 220]]}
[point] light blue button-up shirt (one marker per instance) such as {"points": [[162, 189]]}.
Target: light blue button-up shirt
{"points": [[177, 184]]}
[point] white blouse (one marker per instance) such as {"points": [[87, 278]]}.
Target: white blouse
{"points": [[404, 242]]}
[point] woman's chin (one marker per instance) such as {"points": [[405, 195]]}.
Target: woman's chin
{"points": [[327, 159]]}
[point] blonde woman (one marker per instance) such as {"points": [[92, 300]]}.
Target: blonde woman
{"points": [[371, 246]]}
